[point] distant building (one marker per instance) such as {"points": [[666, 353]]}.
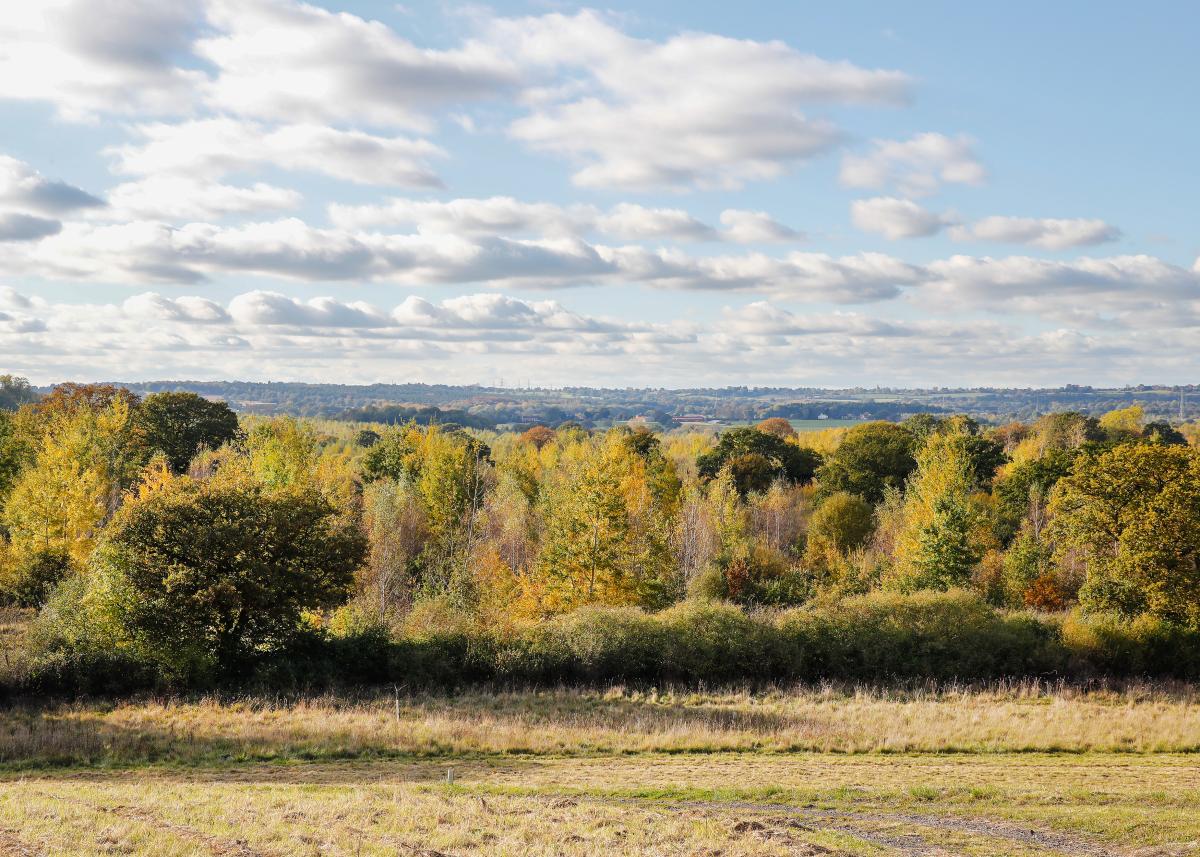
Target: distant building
{"points": [[692, 418]]}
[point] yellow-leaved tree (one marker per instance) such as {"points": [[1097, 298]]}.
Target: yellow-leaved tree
{"points": [[606, 540], [57, 506], [943, 532]]}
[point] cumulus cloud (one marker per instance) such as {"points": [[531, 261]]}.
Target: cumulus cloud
{"points": [[488, 216], [211, 148], [696, 109], [24, 188], [88, 58], [506, 215], [638, 222], [916, 167], [179, 197], [895, 218], [476, 336], [291, 61], [755, 227], [26, 227], [862, 278], [1048, 233]]}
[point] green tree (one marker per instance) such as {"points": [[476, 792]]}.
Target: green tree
{"points": [[179, 425], [946, 551], [842, 523], [1131, 516], [762, 455], [941, 537], [15, 392], [201, 575], [870, 459]]}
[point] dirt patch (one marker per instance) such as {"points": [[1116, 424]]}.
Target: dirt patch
{"points": [[11, 845]]}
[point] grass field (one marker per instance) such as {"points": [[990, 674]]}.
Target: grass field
{"points": [[1007, 770]]}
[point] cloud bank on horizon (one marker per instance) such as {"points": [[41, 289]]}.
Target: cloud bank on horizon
{"points": [[364, 192]]}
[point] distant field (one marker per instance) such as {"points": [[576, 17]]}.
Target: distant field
{"points": [[818, 425], [1020, 770]]}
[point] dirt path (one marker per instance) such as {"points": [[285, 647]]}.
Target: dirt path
{"points": [[916, 844]]}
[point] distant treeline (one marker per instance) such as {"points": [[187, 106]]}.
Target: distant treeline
{"points": [[489, 407]]}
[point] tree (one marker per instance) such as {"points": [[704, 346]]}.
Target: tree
{"points": [[69, 399], [1163, 432], [942, 537], [282, 452], [946, 549], [15, 392], [203, 575], [870, 459], [606, 539], [777, 426], [395, 526], [1123, 424], [842, 523], [83, 460], [761, 458], [539, 436], [366, 438], [1131, 516], [179, 425]]}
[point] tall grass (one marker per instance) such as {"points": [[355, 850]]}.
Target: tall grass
{"points": [[920, 717]]}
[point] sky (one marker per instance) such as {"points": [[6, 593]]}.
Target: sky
{"points": [[660, 194]]}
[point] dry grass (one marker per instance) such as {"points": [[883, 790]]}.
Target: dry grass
{"points": [[990, 806], [623, 772], [1023, 718]]}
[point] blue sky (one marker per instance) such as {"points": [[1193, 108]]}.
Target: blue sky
{"points": [[665, 194]]}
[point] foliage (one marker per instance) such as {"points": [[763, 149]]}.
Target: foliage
{"points": [[757, 458], [179, 425], [15, 392], [200, 576], [1131, 516], [870, 459]]}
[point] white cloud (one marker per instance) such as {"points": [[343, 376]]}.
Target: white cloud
{"points": [[636, 222], [295, 62], [23, 188], [489, 216], [89, 58], [210, 148], [181, 198], [506, 215], [697, 109], [1048, 233], [475, 337], [895, 218], [866, 277], [273, 308], [917, 166], [755, 227]]}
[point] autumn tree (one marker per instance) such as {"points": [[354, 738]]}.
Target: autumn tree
{"points": [[539, 436], [605, 541], [57, 505], [943, 535], [1131, 516], [777, 426]]}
